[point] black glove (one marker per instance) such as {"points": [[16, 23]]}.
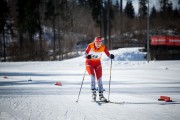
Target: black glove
{"points": [[111, 56], [88, 57]]}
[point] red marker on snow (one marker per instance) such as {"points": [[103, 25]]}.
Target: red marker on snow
{"points": [[165, 98], [5, 77], [58, 84]]}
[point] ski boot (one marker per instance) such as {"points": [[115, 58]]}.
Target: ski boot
{"points": [[102, 98], [94, 95]]}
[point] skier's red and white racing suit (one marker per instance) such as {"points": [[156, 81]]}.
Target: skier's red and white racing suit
{"points": [[93, 65]]}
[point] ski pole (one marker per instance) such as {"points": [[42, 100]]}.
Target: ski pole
{"points": [[110, 79], [81, 85]]}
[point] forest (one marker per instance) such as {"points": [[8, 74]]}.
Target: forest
{"points": [[41, 30]]}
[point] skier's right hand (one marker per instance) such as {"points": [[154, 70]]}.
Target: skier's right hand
{"points": [[88, 57]]}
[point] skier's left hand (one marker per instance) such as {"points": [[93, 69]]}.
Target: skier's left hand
{"points": [[111, 56]]}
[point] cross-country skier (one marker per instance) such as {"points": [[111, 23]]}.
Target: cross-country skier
{"points": [[93, 54]]}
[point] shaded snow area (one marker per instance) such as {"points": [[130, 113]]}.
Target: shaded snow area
{"points": [[28, 90]]}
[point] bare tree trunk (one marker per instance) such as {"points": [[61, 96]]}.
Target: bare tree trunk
{"points": [[40, 45], [4, 39], [54, 38], [59, 40]]}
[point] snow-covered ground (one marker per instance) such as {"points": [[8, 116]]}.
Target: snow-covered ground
{"points": [[28, 91]]}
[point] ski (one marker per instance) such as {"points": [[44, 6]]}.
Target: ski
{"points": [[124, 102], [100, 102]]}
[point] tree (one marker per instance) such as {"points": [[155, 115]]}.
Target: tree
{"points": [[4, 11], [121, 6], [153, 12], [102, 14], [65, 24], [170, 9], [163, 5], [166, 9], [39, 28], [142, 8], [28, 22], [20, 21], [51, 14], [82, 2], [32, 17], [96, 6], [117, 6], [176, 14], [129, 9], [154, 19], [141, 16], [55, 11]]}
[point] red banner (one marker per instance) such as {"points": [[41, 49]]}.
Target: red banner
{"points": [[165, 40]]}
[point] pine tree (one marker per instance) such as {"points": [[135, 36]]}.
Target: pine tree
{"points": [[154, 19], [142, 8], [51, 14], [117, 5], [176, 14], [20, 25], [82, 2], [163, 5], [96, 10], [32, 17], [166, 8], [4, 10], [153, 12], [129, 9], [28, 22], [178, 7], [121, 6]]}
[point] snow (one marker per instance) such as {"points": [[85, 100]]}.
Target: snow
{"points": [[134, 81]]}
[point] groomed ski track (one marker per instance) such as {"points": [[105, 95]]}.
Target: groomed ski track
{"points": [[139, 84]]}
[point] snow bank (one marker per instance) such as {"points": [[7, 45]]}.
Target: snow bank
{"points": [[121, 54], [126, 54]]}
